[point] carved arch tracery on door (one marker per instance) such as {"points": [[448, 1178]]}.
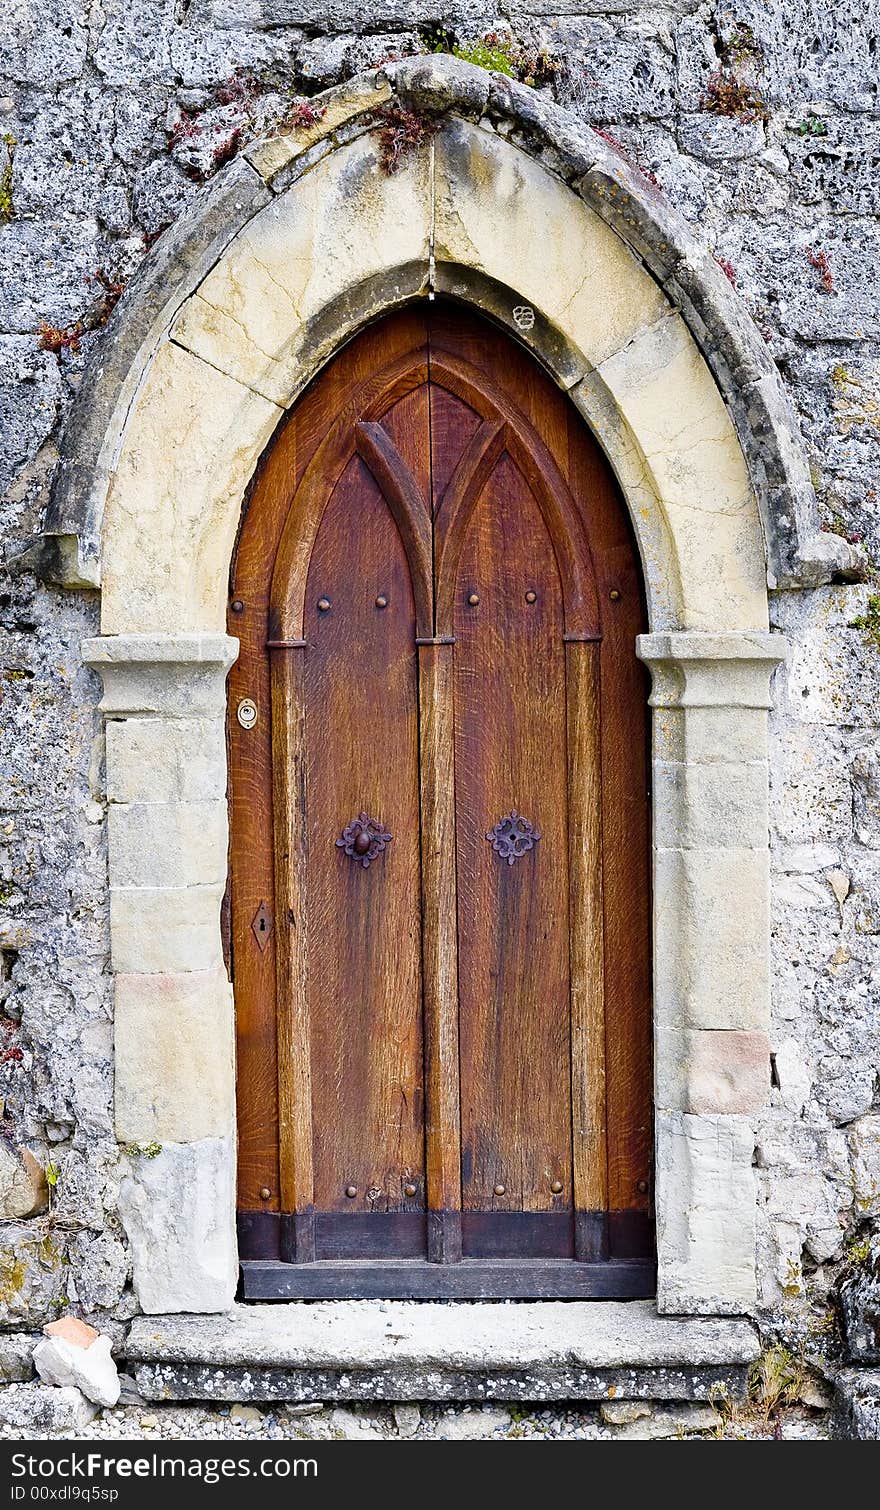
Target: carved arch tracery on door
{"points": [[579, 1221]]}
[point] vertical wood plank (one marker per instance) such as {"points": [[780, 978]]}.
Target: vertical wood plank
{"points": [[586, 947], [363, 925], [440, 952], [294, 1029], [513, 920]]}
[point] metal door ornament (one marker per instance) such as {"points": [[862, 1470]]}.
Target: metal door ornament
{"points": [[363, 839], [513, 836]]}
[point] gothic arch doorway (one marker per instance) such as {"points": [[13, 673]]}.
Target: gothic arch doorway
{"points": [[440, 910]]}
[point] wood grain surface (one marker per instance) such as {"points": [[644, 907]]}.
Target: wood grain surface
{"points": [[463, 1043]]}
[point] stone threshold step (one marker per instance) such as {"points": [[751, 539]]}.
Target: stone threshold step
{"points": [[405, 1350]]}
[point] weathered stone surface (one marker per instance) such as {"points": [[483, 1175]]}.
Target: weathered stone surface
{"points": [[183, 1250], [168, 844], [403, 1351], [30, 398], [23, 1188], [407, 1419], [705, 1244], [677, 1421], [860, 1308], [857, 1405], [476, 171], [254, 315], [474, 1425], [866, 796], [88, 99], [711, 1071], [16, 1356], [88, 1369], [99, 1264], [864, 1141], [70, 1329], [215, 440], [41, 1410], [174, 1057], [33, 1264]]}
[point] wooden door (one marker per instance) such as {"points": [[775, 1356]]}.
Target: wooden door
{"points": [[439, 837]]}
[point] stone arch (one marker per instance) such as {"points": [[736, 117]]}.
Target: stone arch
{"points": [[509, 204]]}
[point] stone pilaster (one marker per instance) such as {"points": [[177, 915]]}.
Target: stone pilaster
{"points": [[164, 705], [711, 695]]}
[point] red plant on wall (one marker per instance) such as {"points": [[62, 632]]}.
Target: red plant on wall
{"points": [[819, 260]]}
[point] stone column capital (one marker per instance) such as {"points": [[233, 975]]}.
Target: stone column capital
{"points": [[171, 676], [693, 669]]}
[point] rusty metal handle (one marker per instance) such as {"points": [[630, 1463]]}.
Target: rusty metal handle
{"points": [[363, 839]]}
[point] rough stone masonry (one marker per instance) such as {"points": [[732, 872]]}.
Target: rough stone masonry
{"points": [[761, 122]]}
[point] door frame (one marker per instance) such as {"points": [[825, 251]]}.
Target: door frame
{"points": [[716, 484], [289, 1240]]}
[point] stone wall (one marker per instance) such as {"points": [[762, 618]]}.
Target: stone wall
{"points": [[112, 117]]}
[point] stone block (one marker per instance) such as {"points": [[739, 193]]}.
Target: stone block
{"points": [[169, 675], [346, 223], [174, 1057], [711, 806], [863, 1136], [23, 1188], [866, 795], [33, 1273], [167, 844], [698, 469], [705, 1213], [857, 1405], [190, 448], [860, 1307], [41, 1410], [273, 155], [90, 1369], [475, 172], [16, 1356], [711, 938], [157, 930], [410, 1351], [710, 736], [165, 760], [711, 1072], [178, 1211]]}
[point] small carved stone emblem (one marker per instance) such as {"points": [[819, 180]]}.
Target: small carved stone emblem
{"points": [[513, 836], [363, 839], [524, 316]]}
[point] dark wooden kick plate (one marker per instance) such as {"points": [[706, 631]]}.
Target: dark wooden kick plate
{"points": [[471, 1279]]}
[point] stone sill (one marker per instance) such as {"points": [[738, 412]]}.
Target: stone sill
{"points": [[401, 1350]]}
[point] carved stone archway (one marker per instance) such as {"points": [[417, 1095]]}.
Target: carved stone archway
{"points": [[511, 205]]}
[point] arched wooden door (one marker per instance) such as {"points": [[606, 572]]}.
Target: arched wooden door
{"points": [[439, 820]]}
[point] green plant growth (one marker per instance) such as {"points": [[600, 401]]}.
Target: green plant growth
{"points": [[143, 1150], [7, 208], [776, 1379], [497, 53], [53, 1174], [869, 621]]}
